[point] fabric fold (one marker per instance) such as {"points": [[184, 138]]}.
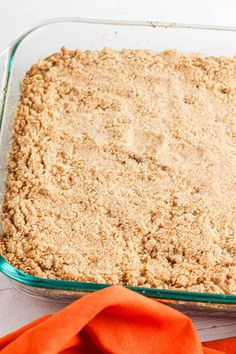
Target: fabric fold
{"points": [[113, 320]]}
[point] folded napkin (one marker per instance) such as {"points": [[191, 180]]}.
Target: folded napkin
{"points": [[113, 320]]}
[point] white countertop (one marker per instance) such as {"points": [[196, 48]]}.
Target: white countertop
{"points": [[16, 308]]}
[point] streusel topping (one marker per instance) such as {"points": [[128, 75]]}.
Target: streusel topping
{"points": [[123, 170]]}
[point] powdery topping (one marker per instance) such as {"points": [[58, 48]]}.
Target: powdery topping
{"points": [[123, 170]]}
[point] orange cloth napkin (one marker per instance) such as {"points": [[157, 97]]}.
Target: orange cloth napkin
{"points": [[113, 320]]}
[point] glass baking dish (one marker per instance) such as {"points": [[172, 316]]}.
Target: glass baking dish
{"points": [[48, 37]]}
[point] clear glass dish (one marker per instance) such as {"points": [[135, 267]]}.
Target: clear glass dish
{"points": [[48, 37]]}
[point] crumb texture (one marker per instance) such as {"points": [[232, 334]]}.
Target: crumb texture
{"points": [[123, 170]]}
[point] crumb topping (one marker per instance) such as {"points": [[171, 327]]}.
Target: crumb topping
{"points": [[123, 170]]}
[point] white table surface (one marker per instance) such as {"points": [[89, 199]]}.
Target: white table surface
{"points": [[16, 308]]}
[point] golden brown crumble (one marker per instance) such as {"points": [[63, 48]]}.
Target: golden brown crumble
{"points": [[123, 170]]}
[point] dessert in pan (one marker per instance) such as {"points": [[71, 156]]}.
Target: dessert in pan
{"points": [[123, 170]]}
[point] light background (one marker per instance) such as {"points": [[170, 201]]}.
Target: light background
{"points": [[17, 308], [18, 15]]}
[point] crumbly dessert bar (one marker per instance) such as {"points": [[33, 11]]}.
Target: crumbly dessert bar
{"points": [[123, 170]]}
